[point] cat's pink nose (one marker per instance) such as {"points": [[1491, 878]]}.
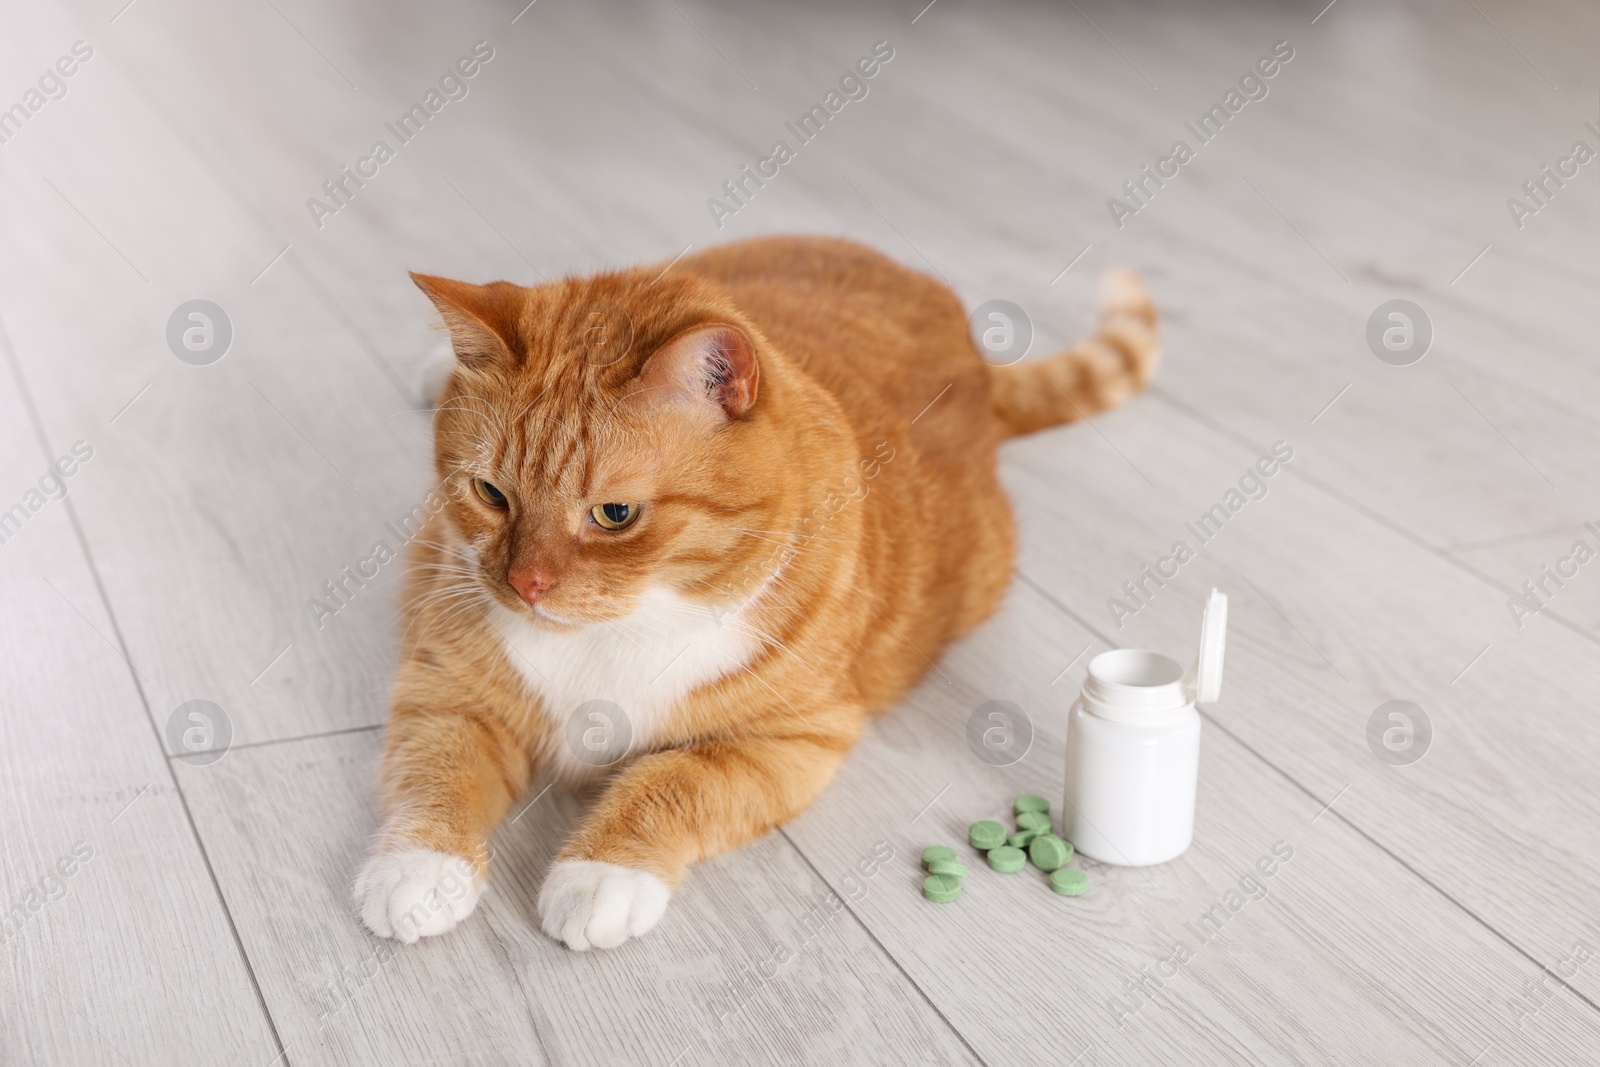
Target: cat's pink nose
{"points": [[530, 584]]}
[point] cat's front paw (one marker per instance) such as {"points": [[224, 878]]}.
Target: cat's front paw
{"points": [[585, 904], [416, 892]]}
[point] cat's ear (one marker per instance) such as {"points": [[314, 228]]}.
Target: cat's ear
{"points": [[711, 370], [482, 319]]}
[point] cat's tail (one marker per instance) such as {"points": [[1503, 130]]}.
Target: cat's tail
{"points": [[1091, 376]]}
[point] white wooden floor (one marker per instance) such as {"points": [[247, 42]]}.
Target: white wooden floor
{"points": [[1443, 912]]}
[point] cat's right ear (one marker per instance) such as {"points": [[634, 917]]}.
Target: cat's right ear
{"points": [[482, 319]]}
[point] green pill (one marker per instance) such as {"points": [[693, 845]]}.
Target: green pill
{"points": [[1049, 853], [941, 888], [1029, 802], [1007, 859], [1069, 882], [986, 834], [948, 867], [1021, 838], [935, 853], [1034, 820]]}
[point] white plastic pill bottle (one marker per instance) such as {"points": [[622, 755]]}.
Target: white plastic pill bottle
{"points": [[1133, 749]]}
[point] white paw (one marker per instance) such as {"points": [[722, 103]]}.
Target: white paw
{"points": [[416, 892], [585, 904]]}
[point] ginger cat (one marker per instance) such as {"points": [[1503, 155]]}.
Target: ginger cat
{"points": [[725, 512]]}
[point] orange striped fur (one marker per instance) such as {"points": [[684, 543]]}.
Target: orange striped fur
{"points": [[824, 506]]}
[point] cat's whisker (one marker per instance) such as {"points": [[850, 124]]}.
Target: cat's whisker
{"points": [[447, 561], [635, 633], [448, 564], [469, 602], [485, 446], [481, 447], [444, 546], [464, 411], [442, 587], [429, 616], [629, 631], [458, 611], [465, 566], [769, 540], [800, 536], [444, 551], [446, 571], [463, 398], [448, 581], [443, 595], [742, 626]]}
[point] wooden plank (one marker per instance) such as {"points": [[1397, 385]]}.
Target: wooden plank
{"points": [[114, 945], [754, 962], [1545, 576]]}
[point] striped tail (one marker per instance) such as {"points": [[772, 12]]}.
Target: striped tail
{"points": [[1091, 376]]}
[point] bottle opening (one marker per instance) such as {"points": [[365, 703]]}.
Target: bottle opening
{"points": [[1134, 680], [1134, 667]]}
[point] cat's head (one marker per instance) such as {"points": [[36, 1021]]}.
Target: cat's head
{"points": [[603, 437]]}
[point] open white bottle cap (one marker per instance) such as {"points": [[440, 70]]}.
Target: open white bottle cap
{"points": [[1213, 643]]}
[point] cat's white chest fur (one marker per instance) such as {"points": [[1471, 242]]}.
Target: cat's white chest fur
{"points": [[644, 664]]}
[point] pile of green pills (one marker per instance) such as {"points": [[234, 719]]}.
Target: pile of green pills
{"points": [[1034, 840], [1048, 852]]}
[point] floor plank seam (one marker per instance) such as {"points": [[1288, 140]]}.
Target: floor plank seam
{"points": [[1429, 882], [890, 956], [272, 742], [1438, 551], [1510, 539]]}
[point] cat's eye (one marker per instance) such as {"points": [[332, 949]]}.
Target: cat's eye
{"points": [[488, 493], [615, 516]]}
